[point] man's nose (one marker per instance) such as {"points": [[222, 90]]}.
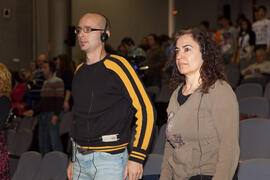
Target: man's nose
{"points": [[81, 34]]}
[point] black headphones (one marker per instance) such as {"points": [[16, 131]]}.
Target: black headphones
{"points": [[203, 51], [104, 36], [202, 46]]}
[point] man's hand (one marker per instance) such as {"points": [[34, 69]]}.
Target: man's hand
{"points": [[70, 171], [66, 106], [133, 170], [54, 119], [257, 70]]}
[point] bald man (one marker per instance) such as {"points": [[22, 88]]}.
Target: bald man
{"points": [[41, 58], [108, 99]]}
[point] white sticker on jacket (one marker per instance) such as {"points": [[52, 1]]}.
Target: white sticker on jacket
{"points": [[110, 138]]}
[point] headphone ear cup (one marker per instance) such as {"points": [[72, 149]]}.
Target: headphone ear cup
{"points": [[203, 52], [203, 56], [104, 37]]}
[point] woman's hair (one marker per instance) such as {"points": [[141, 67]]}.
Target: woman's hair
{"points": [[212, 68], [5, 80], [65, 64], [249, 26]]}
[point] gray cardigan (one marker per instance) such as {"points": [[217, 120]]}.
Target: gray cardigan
{"points": [[202, 135]]}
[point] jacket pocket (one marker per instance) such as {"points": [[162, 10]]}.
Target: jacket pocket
{"points": [[181, 162]]}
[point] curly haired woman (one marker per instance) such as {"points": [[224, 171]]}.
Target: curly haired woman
{"points": [[5, 106], [203, 117]]}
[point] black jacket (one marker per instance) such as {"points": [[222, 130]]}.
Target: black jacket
{"points": [[108, 96]]}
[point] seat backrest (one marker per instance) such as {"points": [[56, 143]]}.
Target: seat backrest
{"points": [[233, 75], [267, 91], [152, 143], [254, 106], [28, 166], [152, 165], [53, 166], [254, 169], [249, 90], [254, 138], [159, 142], [66, 123], [11, 141], [26, 124], [23, 141]]}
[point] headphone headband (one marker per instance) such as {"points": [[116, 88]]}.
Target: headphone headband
{"points": [[104, 36]]}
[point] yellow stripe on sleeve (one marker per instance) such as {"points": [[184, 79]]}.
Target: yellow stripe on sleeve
{"points": [[78, 67], [135, 101], [140, 154], [138, 157], [148, 105]]}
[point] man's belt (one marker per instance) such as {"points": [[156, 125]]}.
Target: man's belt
{"points": [[84, 151]]}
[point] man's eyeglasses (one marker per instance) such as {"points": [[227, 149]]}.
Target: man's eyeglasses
{"points": [[86, 30]]}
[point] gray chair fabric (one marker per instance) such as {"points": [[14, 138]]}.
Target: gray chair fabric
{"points": [[11, 139], [159, 142], [233, 75], [254, 138], [53, 166], [249, 90], [28, 166], [165, 92], [152, 165], [65, 123], [19, 142], [152, 143], [23, 141], [254, 106], [254, 169], [13, 163], [267, 91], [27, 124]]}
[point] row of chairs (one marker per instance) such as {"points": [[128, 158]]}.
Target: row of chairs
{"points": [[254, 138], [252, 90], [254, 106], [32, 166], [21, 137], [253, 99], [251, 169], [53, 165]]}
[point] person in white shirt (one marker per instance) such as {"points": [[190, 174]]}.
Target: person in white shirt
{"points": [[262, 30], [258, 71]]}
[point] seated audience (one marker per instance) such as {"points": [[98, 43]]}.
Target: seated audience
{"points": [[259, 71]]}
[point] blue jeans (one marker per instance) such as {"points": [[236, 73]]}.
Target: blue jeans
{"points": [[99, 166], [49, 138]]}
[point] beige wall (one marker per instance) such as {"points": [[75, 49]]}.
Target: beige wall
{"points": [[134, 18], [26, 34], [192, 12], [16, 42]]}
